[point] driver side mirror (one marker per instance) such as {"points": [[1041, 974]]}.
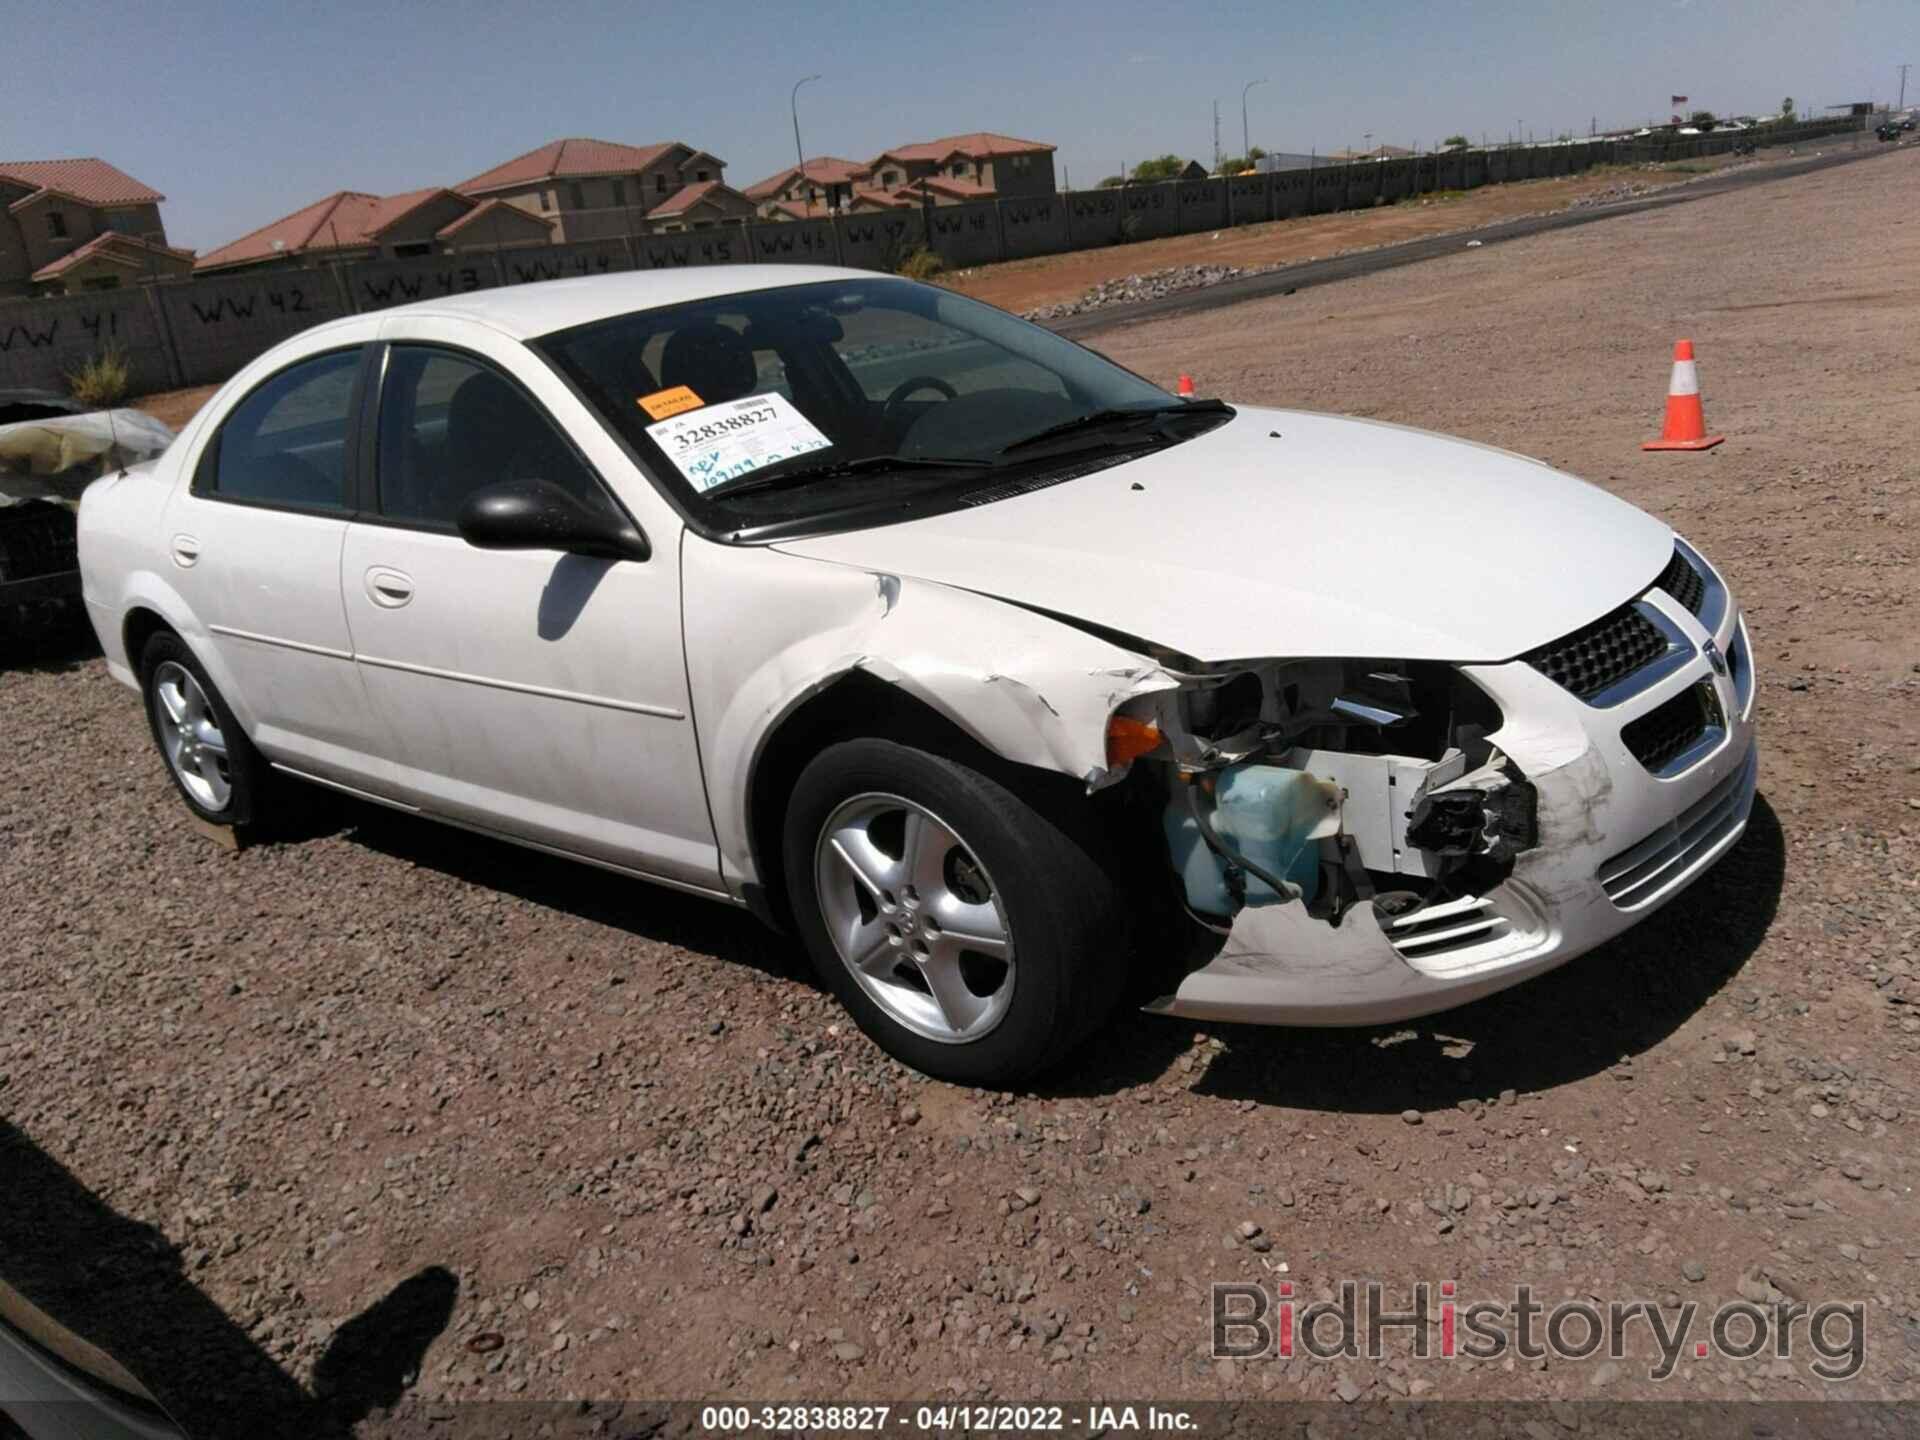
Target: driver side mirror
{"points": [[539, 515]]}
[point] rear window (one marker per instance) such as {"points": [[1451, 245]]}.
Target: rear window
{"points": [[286, 443]]}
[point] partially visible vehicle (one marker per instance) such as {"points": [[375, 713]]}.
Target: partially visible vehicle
{"points": [[51, 448], [1888, 130], [56, 1385]]}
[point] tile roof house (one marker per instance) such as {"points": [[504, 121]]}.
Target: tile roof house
{"points": [[353, 225], [51, 208], [700, 206], [1001, 164], [596, 189], [824, 183], [980, 165], [108, 261]]}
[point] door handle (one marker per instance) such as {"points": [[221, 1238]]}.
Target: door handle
{"points": [[389, 589], [186, 551]]}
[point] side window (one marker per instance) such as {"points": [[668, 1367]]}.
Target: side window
{"points": [[450, 425], [286, 443]]}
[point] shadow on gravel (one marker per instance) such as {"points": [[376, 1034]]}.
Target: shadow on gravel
{"points": [[1620, 1000], [119, 1284], [645, 911]]}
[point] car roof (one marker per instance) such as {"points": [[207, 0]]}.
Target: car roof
{"points": [[527, 311]]}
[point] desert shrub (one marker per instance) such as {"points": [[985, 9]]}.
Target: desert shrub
{"points": [[102, 379], [919, 263]]}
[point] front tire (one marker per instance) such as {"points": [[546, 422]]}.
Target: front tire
{"points": [[968, 934]]}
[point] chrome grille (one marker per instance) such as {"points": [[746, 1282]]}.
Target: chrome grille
{"points": [[1598, 656], [1684, 583]]}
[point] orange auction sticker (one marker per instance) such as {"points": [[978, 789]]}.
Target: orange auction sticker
{"points": [[671, 401]]}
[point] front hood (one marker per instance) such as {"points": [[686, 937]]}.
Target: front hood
{"points": [[1331, 537]]}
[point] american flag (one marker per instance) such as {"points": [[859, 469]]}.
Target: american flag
{"points": [[1679, 100]]}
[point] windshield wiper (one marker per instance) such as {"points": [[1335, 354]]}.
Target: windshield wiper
{"points": [[1103, 419], [779, 477]]}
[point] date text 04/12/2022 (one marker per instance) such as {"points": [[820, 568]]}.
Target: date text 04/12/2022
{"points": [[719, 442], [1000, 1419]]}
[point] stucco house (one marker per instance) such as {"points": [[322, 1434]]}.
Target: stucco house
{"points": [[354, 225], [69, 225], [823, 184], [1002, 164], [949, 171], [701, 206], [596, 189]]}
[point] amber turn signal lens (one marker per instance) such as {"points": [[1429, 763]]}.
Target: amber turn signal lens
{"points": [[1128, 739]]}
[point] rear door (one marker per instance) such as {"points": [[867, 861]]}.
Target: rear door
{"points": [[255, 542], [536, 693]]}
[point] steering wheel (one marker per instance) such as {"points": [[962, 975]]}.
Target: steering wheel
{"points": [[890, 409]]}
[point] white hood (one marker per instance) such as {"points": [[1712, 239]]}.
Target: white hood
{"points": [[1336, 537]]}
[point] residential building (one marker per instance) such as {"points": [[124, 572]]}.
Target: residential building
{"points": [[51, 209], [596, 189], [949, 171], [998, 163], [353, 225], [701, 206], [823, 184]]}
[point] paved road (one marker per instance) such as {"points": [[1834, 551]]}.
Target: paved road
{"points": [[1346, 267]]}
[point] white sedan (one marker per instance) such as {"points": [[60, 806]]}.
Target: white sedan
{"points": [[1009, 682]]}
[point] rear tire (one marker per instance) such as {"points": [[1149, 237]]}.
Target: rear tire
{"points": [[223, 779], [967, 933]]}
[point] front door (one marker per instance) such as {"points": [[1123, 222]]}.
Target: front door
{"points": [[536, 693]]}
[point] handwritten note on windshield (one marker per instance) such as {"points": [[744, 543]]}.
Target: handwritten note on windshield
{"points": [[721, 442]]}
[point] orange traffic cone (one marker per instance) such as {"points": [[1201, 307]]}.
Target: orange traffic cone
{"points": [[1185, 388], [1686, 427]]}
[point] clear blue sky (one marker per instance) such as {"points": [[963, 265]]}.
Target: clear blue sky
{"points": [[242, 112]]}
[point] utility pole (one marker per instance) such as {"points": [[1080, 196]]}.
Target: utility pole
{"points": [[1903, 86], [1216, 137], [1246, 135], [799, 155]]}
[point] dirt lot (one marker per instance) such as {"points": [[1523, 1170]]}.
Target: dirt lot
{"points": [[1049, 279], [304, 1120]]}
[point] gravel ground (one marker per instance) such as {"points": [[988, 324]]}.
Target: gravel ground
{"points": [[393, 1109]]}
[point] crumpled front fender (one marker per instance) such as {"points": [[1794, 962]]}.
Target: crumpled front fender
{"points": [[765, 631]]}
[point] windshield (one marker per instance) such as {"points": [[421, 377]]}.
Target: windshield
{"points": [[861, 399]]}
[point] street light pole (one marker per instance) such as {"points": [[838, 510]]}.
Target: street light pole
{"points": [[799, 155], [1246, 137]]}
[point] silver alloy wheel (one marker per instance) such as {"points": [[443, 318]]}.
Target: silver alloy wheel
{"points": [[190, 736], [915, 917]]}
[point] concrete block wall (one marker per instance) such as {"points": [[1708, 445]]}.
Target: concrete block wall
{"points": [[792, 242], [1202, 204], [1093, 218], [1035, 226], [400, 282], [1250, 198], [218, 324], [693, 247], [41, 340], [876, 241], [965, 235], [564, 262], [191, 332], [1292, 194]]}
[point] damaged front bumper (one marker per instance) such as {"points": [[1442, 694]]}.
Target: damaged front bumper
{"points": [[1620, 826]]}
